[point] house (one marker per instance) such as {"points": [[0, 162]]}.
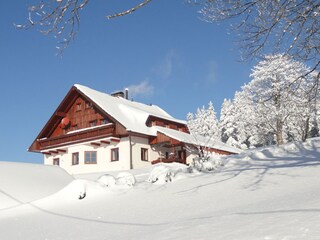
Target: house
{"points": [[92, 131]]}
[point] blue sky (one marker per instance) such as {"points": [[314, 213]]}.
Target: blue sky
{"points": [[164, 53]]}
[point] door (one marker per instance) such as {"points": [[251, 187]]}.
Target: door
{"points": [[183, 156]]}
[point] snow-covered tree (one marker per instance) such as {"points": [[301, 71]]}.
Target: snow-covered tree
{"points": [[275, 91], [204, 122], [303, 122], [226, 124], [248, 131]]}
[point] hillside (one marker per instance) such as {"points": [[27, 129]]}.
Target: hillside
{"points": [[269, 193]]}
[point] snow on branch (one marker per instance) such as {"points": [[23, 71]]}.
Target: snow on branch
{"points": [[270, 26], [129, 11], [60, 18]]}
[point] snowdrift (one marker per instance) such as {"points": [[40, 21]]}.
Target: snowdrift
{"points": [[269, 194], [22, 182]]}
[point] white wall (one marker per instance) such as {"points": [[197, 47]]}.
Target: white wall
{"points": [[137, 144], [104, 162], [103, 158]]}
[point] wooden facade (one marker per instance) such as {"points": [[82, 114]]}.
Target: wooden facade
{"points": [[77, 119], [154, 121]]}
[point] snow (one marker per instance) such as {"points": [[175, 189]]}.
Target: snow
{"points": [[22, 182], [263, 194], [196, 140], [167, 172]]}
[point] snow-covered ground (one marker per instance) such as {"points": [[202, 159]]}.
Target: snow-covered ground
{"points": [[264, 194]]}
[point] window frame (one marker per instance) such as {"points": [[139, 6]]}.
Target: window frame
{"points": [[88, 105], [90, 160], [145, 154], [73, 162], [104, 121], [93, 123], [112, 151], [56, 162], [78, 107]]}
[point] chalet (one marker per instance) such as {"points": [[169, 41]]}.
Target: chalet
{"points": [[91, 131]]}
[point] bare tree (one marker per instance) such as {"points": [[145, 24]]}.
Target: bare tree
{"points": [[271, 26], [265, 26], [61, 18]]}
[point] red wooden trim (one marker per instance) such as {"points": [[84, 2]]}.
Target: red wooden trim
{"points": [[53, 151], [46, 153], [62, 150], [61, 114], [95, 144], [81, 136], [167, 160], [114, 139], [105, 142]]}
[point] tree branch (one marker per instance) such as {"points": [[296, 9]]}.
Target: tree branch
{"points": [[129, 11]]}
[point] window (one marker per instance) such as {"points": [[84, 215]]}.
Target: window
{"points": [[56, 161], [88, 105], [78, 107], [75, 158], [115, 154], [93, 123], [104, 121], [144, 154], [90, 157]]}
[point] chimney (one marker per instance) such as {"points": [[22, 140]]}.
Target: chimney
{"points": [[126, 93]]}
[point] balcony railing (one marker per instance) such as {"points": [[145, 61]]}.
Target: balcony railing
{"points": [[167, 160], [78, 136]]}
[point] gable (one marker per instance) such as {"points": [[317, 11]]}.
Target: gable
{"points": [[76, 112], [81, 114]]}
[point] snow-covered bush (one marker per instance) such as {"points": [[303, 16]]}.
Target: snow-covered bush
{"points": [[122, 179], [107, 180], [125, 179], [208, 163], [167, 172]]}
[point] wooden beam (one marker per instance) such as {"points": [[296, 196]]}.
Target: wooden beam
{"points": [[62, 150], [95, 144], [61, 114], [105, 142], [53, 152], [114, 139], [46, 153]]}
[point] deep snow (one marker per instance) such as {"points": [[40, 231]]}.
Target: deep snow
{"points": [[269, 193]]}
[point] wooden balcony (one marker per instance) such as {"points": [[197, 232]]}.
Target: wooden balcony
{"points": [[81, 135], [167, 160]]}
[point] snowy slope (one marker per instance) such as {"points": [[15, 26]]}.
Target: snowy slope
{"points": [[23, 182], [268, 194]]}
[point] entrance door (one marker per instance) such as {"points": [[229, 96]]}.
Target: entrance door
{"points": [[183, 156]]}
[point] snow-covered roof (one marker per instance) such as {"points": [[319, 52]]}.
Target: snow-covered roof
{"points": [[196, 140], [132, 115]]}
